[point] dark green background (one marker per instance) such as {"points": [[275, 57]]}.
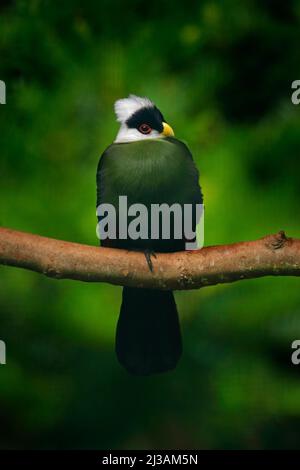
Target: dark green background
{"points": [[221, 73]]}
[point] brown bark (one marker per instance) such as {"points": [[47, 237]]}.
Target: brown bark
{"points": [[273, 255]]}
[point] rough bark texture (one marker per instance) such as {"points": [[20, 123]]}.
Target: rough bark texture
{"points": [[273, 255]]}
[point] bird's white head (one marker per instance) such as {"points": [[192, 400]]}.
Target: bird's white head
{"points": [[140, 119]]}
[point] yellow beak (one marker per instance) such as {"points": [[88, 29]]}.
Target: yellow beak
{"points": [[167, 130]]}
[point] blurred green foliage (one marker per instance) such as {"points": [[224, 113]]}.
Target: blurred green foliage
{"points": [[221, 72]]}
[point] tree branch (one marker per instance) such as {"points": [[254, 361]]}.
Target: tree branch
{"points": [[273, 255]]}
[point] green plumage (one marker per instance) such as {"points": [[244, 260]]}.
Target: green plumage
{"points": [[149, 171], [152, 171]]}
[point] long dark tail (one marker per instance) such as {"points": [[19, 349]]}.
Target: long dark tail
{"points": [[148, 338]]}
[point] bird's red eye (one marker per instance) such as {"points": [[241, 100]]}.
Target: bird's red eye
{"points": [[145, 129]]}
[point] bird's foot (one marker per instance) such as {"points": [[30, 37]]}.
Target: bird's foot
{"points": [[148, 254]]}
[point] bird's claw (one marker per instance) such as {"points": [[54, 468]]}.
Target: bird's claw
{"points": [[148, 254]]}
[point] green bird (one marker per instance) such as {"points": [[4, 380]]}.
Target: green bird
{"points": [[150, 166]]}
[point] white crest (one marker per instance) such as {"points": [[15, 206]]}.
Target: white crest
{"points": [[126, 107]]}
